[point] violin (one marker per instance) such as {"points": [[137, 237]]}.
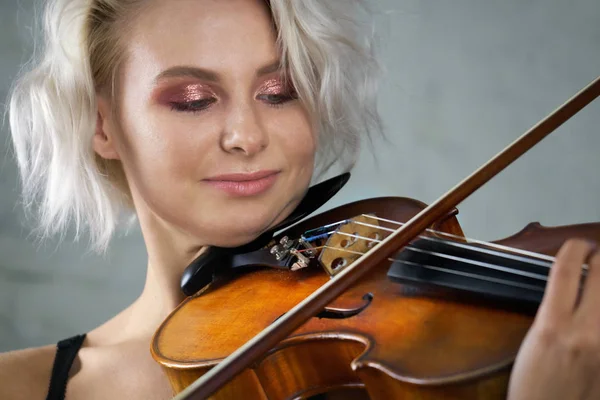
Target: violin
{"points": [[377, 299]]}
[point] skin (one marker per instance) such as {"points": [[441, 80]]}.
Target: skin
{"points": [[560, 356], [171, 149], [235, 124]]}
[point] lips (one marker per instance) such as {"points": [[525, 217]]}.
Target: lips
{"points": [[243, 177], [244, 184]]}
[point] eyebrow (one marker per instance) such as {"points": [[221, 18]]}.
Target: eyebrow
{"points": [[185, 71], [205, 74], [273, 67]]}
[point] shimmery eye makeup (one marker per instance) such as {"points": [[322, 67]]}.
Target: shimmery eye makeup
{"points": [[274, 92], [196, 97], [193, 106], [189, 97], [187, 93], [272, 86]]}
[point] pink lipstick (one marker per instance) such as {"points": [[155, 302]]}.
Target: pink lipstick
{"points": [[244, 184]]}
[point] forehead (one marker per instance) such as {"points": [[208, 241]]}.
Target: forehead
{"points": [[215, 34]]}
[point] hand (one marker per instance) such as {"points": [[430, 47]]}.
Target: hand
{"points": [[560, 356]]}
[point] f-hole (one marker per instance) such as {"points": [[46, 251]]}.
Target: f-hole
{"points": [[342, 313]]}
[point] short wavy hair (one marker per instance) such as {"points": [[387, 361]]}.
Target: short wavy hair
{"points": [[327, 46]]}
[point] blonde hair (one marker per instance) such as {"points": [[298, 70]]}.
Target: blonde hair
{"points": [[327, 46]]}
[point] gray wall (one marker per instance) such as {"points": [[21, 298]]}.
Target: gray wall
{"points": [[466, 77]]}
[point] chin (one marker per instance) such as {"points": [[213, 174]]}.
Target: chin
{"points": [[232, 241], [232, 232], [243, 231], [235, 237], [236, 223]]}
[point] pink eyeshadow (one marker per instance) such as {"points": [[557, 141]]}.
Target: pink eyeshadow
{"points": [[272, 86], [188, 93]]}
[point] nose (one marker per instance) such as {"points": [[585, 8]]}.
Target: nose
{"points": [[244, 133]]}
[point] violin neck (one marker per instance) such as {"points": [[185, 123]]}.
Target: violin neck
{"points": [[473, 270]]}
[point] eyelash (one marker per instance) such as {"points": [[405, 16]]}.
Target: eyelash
{"points": [[197, 106], [281, 99]]}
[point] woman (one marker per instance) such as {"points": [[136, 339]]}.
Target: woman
{"points": [[206, 119]]}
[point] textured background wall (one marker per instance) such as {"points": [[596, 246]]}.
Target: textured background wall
{"points": [[465, 78]]}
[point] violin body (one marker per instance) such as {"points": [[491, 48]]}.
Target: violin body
{"points": [[380, 340]]}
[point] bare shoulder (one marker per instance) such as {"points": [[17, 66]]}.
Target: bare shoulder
{"points": [[25, 374]]}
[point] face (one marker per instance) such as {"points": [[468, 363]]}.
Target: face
{"points": [[212, 141]]}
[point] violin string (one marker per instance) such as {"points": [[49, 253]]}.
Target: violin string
{"points": [[450, 271], [471, 240], [450, 243], [478, 263], [532, 255], [539, 263], [441, 255], [476, 276]]}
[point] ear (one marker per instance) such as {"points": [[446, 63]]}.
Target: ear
{"points": [[104, 140]]}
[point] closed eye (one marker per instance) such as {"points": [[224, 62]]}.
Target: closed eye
{"points": [[277, 99], [193, 106]]}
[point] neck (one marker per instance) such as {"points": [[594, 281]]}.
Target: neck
{"points": [[169, 253], [161, 292]]}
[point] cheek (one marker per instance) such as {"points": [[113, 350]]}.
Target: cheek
{"points": [[296, 135], [160, 146], [163, 150]]}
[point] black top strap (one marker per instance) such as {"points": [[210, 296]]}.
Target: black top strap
{"points": [[66, 351]]}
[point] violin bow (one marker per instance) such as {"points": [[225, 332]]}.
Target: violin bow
{"points": [[250, 352]]}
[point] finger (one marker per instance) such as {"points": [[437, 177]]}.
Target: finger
{"points": [[589, 307], [563, 280]]}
